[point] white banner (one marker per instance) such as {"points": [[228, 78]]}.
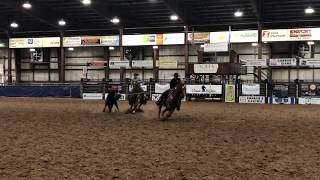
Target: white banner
{"points": [[204, 89], [172, 39], [309, 100], [275, 35], [250, 89], [155, 97], [142, 64], [92, 96], [167, 63], [252, 99], [283, 62], [153, 39], [310, 62], [299, 34], [254, 62], [206, 68], [119, 64], [216, 47], [34, 42], [236, 36], [94, 41], [160, 88]]}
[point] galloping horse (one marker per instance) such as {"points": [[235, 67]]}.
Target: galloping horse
{"points": [[171, 102], [136, 99]]}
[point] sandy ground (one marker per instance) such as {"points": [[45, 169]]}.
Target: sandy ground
{"points": [[73, 139]]}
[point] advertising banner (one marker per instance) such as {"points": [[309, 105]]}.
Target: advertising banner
{"points": [[216, 47], [250, 89], [310, 62], [109, 41], [252, 99], [72, 41], [119, 64], [204, 89], [90, 41], [142, 64], [299, 34], [236, 36], [309, 100], [94, 41], [199, 38], [153, 39], [274, 35], [230, 93], [155, 97], [160, 88], [278, 100], [283, 62], [206, 68], [92, 96], [254, 62], [34, 42], [173, 39], [163, 64]]}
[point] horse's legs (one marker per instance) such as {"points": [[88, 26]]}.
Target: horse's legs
{"points": [[116, 104], [159, 114], [105, 106]]}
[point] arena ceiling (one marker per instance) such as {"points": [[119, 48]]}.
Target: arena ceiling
{"points": [[153, 15]]}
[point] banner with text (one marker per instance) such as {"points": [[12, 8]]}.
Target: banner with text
{"points": [[254, 62], [206, 68], [204, 89], [252, 99], [283, 62], [299, 34], [250, 89], [34, 42], [160, 88], [230, 93]]}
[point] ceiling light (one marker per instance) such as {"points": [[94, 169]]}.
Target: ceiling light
{"points": [[14, 25], [254, 44], [174, 17], [2, 45], [70, 49], [115, 20], [309, 10], [238, 14], [155, 47], [111, 48], [32, 50], [27, 5], [310, 43], [86, 2], [62, 22]]}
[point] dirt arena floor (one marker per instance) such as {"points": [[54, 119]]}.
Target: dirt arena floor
{"points": [[73, 139]]}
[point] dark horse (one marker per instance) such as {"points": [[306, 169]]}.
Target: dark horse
{"points": [[171, 102], [136, 99]]}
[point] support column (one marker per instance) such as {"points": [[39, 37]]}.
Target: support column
{"points": [[186, 52], [17, 55], [122, 70], [259, 49], [61, 59], [200, 55], [9, 61], [107, 59], [155, 68]]}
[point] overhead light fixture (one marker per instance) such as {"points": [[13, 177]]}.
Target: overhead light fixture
{"points": [[155, 47], [2, 45], [14, 25], [27, 5], [115, 20], [309, 10], [62, 22], [70, 49], [174, 17], [254, 44], [32, 50], [238, 14], [86, 2], [111, 48], [310, 43]]}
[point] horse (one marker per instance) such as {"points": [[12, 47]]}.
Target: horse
{"points": [[171, 102], [136, 99]]}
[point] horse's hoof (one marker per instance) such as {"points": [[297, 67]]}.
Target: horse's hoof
{"points": [[133, 112]]}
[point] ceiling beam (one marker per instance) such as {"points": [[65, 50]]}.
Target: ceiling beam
{"points": [[178, 10], [257, 9]]}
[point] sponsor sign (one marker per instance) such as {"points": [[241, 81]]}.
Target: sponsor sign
{"points": [[34, 42], [250, 89], [171, 39], [252, 99], [278, 100], [309, 100], [206, 68], [216, 47], [160, 88], [230, 93], [86, 41], [254, 62], [155, 97], [204, 89], [234, 37], [275, 35], [310, 62], [98, 63], [92, 96], [283, 62], [153, 39], [199, 38], [119, 64], [167, 64], [300, 34], [142, 64]]}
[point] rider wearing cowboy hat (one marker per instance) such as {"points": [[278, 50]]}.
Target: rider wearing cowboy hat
{"points": [[136, 83]]}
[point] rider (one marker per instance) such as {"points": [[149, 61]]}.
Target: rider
{"points": [[136, 84], [173, 84]]}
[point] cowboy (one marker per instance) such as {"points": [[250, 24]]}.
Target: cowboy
{"points": [[136, 84]]}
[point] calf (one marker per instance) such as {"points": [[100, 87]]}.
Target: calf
{"points": [[112, 99]]}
